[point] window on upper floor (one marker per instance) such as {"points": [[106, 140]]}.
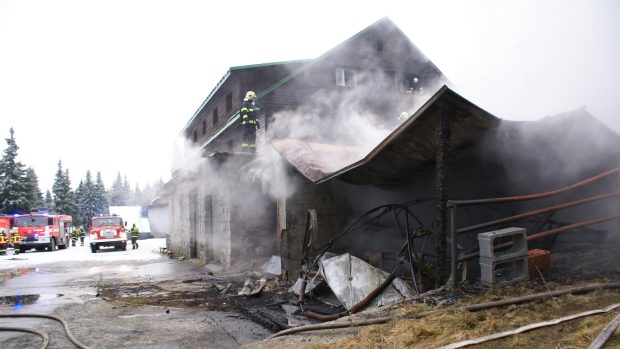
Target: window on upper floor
{"points": [[215, 117], [379, 45], [195, 137], [345, 77], [204, 127], [229, 101]]}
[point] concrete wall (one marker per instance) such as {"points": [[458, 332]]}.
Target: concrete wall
{"points": [[159, 220]]}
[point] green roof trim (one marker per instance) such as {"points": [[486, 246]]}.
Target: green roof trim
{"points": [[261, 65]]}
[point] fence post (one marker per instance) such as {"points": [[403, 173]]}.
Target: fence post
{"points": [[453, 256]]}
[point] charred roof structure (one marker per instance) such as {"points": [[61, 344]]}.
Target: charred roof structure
{"points": [[337, 170]]}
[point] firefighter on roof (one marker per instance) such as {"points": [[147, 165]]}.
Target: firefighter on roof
{"points": [[17, 241], [3, 241], [134, 236], [249, 122]]}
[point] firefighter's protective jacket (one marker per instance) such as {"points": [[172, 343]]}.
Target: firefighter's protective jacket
{"points": [[248, 112], [17, 239], [134, 231]]}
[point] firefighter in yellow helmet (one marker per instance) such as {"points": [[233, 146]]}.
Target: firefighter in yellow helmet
{"points": [[249, 122]]}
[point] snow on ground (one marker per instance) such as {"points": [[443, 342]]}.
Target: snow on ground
{"points": [[83, 253]]}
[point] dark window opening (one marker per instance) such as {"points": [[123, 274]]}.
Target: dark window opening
{"points": [[215, 117], [204, 127], [229, 101], [195, 135], [379, 46], [229, 145]]}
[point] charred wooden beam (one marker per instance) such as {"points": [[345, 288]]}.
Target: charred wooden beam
{"points": [[442, 140]]}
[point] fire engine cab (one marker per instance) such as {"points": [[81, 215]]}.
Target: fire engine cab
{"points": [[107, 231], [42, 231]]}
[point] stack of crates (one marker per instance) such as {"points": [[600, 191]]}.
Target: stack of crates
{"points": [[505, 265]]}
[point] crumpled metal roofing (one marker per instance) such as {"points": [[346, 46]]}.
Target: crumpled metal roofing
{"points": [[405, 150]]}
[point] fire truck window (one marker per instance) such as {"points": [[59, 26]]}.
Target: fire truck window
{"points": [[50, 221]]}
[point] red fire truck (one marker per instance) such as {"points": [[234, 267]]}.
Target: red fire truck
{"points": [[107, 231], [42, 231]]}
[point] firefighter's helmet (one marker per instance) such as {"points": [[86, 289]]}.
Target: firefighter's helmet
{"points": [[250, 95]]}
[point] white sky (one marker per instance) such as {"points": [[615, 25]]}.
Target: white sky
{"points": [[108, 85]]}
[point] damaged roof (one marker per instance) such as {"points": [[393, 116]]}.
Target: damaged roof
{"points": [[405, 150]]}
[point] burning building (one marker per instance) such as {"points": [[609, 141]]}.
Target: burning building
{"points": [[358, 151]]}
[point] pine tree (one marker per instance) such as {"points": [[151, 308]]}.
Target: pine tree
{"points": [[79, 199], [35, 197], [89, 198], [64, 197], [13, 183], [101, 203], [118, 193], [48, 202]]}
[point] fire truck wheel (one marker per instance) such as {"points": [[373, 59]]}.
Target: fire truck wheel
{"points": [[66, 242], [93, 248], [52, 246], [22, 249], [124, 246]]}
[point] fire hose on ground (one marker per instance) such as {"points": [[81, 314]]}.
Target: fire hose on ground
{"points": [[474, 307], [42, 335]]}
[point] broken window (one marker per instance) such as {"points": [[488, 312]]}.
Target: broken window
{"points": [[195, 135], [345, 77], [204, 127], [215, 117]]}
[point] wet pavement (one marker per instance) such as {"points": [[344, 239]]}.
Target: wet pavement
{"points": [[69, 283]]}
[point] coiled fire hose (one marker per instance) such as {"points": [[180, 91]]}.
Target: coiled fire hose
{"points": [[72, 338]]}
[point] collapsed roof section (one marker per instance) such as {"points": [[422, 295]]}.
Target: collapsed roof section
{"points": [[405, 150]]}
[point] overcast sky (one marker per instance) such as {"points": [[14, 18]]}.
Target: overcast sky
{"points": [[108, 85]]}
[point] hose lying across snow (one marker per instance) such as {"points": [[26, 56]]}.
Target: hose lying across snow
{"points": [[46, 339], [43, 335], [474, 307]]}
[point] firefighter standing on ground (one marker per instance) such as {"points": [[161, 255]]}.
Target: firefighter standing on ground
{"points": [[74, 236], [249, 122], [134, 236], [4, 242], [17, 241], [81, 234]]}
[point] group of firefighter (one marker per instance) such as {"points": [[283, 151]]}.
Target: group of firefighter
{"points": [[14, 239], [9, 239]]}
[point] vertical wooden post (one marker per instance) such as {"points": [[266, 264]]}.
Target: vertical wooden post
{"points": [[442, 139], [618, 188], [453, 252]]}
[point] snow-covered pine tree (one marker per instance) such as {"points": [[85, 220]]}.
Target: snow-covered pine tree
{"points": [[89, 198], [118, 194], [13, 187], [101, 202], [64, 197], [35, 197], [48, 202]]}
